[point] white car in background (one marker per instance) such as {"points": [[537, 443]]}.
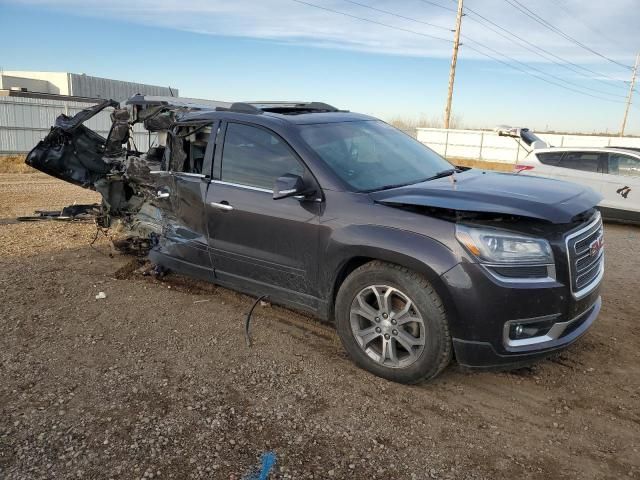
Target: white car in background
{"points": [[613, 172]]}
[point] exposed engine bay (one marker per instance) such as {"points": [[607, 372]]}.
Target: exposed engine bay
{"points": [[131, 182]]}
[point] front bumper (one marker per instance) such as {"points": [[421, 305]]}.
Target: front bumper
{"points": [[475, 354], [481, 309]]}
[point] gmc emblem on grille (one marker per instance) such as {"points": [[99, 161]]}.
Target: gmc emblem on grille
{"points": [[596, 246]]}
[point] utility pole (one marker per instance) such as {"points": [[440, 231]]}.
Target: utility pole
{"points": [[633, 84], [454, 60]]}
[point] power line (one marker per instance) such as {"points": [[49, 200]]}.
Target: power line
{"points": [[595, 90], [524, 70], [537, 76], [542, 72], [373, 21], [488, 48], [428, 2], [398, 15], [564, 62], [485, 46], [573, 16], [534, 16]]}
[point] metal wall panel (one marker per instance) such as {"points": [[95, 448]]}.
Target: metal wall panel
{"points": [[25, 121], [96, 87]]}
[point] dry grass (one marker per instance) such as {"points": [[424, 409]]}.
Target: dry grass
{"points": [[411, 123], [14, 164], [497, 166]]}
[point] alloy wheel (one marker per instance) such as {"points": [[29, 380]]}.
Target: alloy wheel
{"points": [[387, 326]]}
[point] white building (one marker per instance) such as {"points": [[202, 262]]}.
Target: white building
{"points": [[31, 101], [78, 85]]}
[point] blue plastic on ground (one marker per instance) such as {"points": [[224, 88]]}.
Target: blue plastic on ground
{"points": [[268, 461]]}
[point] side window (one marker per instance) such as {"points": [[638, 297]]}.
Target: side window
{"points": [[188, 147], [550, 158], [584, 161], [626, 165], [252, 156]]}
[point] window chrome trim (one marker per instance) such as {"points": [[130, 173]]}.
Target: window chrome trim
{"points": [[188, 174], [174, 173], [598, 278], [248, 187]]}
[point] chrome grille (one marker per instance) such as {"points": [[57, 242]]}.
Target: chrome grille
{"points": [[586, 257]]}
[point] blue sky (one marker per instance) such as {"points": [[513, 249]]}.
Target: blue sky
{"points": [[282, 49]]}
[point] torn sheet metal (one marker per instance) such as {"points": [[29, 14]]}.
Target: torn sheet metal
{"points": [[114, 167]]}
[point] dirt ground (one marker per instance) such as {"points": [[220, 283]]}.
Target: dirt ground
{"points": [[23, 193], [155, 380]]}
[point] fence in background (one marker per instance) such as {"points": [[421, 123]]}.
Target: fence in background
{"points": [[25, 121], [487, 145]]}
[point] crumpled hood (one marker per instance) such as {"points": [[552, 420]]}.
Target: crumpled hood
{"points": [[478, 191]]}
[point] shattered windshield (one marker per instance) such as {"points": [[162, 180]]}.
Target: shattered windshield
{"points": [[372, 155]]}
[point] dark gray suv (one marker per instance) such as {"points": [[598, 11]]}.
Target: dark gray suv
{"points": [[343, 216]]}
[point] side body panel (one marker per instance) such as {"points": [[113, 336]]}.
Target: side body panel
{"points": [[621, 187], [539, 168], [260, 245], [348, 233], [619, 202], [593, 180], [268, 246], [184, 243]]}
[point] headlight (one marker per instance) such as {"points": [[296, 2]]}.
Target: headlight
{"points": [[495, 246]]}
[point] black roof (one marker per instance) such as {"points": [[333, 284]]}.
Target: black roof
{"points": [[298, 118], [290, 111]]}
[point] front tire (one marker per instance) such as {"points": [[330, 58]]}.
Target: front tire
{"points": [[392, 323]]}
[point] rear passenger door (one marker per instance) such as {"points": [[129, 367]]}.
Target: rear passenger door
{"points": [[261, 245], [190, 160], [583, 167]]}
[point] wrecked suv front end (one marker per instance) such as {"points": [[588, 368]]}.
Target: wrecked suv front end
{"points": [[127, 179]]}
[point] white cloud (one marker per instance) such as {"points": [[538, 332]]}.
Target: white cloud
{"points": [[609, 27]]}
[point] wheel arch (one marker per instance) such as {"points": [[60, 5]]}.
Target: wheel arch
{"points": [[418, 253]]}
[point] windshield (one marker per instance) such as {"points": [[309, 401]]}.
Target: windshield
{"points": [[372, 155]]}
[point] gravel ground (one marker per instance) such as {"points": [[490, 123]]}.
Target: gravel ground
{"points": [[155, 380], [23, 193]]}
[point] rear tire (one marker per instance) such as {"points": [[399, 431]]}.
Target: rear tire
{"points": [[392, 323]]}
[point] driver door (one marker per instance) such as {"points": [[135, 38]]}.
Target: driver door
{"points": [[258, 244]]}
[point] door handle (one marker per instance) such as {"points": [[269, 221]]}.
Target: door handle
{"points": [[222, 206], [162, 194]]}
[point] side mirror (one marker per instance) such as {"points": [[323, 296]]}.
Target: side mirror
{"points": [[288, 185]]}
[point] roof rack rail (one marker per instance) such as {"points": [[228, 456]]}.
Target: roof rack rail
{"points": [[244, 107], [321, 106], [258, 108]]}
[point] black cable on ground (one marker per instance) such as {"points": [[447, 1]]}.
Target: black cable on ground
{"points": [[248, 319]]}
